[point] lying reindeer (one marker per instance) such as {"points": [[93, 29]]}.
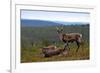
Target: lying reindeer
{"points": [[52, 50], [69, 37]]}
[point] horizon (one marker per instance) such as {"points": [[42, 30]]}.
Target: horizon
{"points": [[25, 22], [55, 21]]}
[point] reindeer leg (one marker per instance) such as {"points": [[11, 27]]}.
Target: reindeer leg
{"points": [[66, 45], [78, 44]]}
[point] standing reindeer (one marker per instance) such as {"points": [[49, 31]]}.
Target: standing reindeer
{"points": [[69, 38]]}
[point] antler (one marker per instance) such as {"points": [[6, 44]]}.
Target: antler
{"points": [[62, 28], [57, 28]]}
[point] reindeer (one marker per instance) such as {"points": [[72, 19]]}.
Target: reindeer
{"points": [[52, 51], [69, 38]]}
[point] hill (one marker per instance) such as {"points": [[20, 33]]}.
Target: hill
{"points": [[42, 23]]}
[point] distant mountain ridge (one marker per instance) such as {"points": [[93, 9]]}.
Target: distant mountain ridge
{"points": [[41, 23]]}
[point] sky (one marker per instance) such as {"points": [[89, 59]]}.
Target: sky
{"points": [[55, 16]]}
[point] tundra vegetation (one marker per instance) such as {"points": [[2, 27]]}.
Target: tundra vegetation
{"points": [[33, 39]]}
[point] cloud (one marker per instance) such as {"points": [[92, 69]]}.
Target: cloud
{"points": [[55, 16]]}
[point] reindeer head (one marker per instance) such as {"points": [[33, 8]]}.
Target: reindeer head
{"points": [[59, 30]]}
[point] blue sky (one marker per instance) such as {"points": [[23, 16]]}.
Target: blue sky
{"points": [[55, 16]]}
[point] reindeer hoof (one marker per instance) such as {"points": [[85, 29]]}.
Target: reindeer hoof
{"points": [[65, 53]]}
